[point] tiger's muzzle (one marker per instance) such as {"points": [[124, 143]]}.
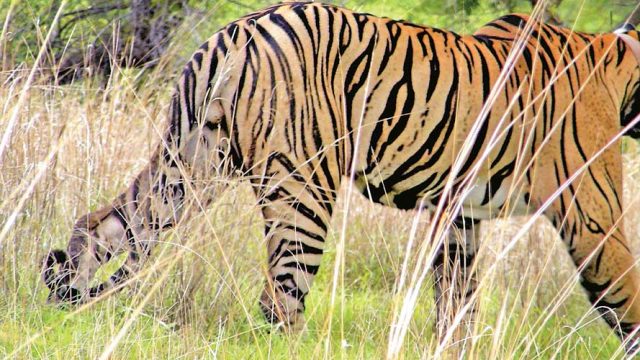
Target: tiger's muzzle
{"points": [[58, 282]]}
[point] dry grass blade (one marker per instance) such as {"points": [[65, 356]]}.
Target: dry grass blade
{"points": [[8, 131]]}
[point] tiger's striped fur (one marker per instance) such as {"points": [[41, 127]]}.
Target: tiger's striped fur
{"points": [[300, 95]]}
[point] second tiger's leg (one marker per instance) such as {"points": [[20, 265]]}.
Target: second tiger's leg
{"points": [[296, 216], [456, 281]]}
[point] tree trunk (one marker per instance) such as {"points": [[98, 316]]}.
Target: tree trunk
{"points": [[633, 18], [140, 40]]}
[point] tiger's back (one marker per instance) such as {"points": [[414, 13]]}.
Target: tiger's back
{"points": [[439, 82]]}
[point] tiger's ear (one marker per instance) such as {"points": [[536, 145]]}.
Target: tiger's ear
{"points": [[632, 40], [53, 258], [626, 27]]}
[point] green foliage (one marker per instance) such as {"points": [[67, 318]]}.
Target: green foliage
{"points": [[32, 19]]}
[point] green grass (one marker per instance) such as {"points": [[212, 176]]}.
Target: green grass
{"points": [[364, 324], [211, 320]]}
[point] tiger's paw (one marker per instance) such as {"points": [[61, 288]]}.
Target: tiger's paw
{"points": [[283, 310]]}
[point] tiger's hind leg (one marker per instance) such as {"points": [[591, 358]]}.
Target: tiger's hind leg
{"points": [[296, 215], [456, 282]]}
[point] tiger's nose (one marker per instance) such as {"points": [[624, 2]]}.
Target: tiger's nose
{"points": [[69, 294]]}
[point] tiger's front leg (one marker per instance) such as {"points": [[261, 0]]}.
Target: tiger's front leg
{"points": [[296, 215]]}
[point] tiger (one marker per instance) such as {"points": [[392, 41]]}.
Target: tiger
{"points": [[298, 98]]}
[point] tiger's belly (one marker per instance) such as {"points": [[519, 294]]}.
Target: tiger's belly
{"points": [[504, 202], [479, 201]]}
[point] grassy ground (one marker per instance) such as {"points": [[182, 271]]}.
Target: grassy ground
{"points": [[75, 147]]}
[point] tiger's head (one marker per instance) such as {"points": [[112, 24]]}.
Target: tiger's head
{"points": [[57, 280], [630, 109], [67, 273]]}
